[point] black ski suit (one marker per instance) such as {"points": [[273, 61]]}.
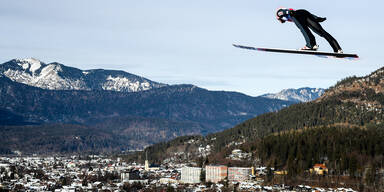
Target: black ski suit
{"points": [[304, 20]]}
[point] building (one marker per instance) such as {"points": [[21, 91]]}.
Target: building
{"points": [[190, 174], [236, 151], [282, 172], [152, 167], [215, 173], [239, 174], [238, 154], [148, 167], [319, 169], [130, 175], [168, 181]]}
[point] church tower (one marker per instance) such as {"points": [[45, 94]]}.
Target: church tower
{"points": [[146, 162]]}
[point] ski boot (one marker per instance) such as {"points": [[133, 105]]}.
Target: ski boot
{"points": [[314, 48]]}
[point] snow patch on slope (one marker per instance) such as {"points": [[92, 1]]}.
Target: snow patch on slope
{"points": [[30, 64], [297, 95], [121, 83]]}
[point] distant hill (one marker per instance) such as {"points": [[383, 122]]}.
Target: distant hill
{"points": [[354, 101], [139, 117], [215, 109], [297, 95], [108, 135]]}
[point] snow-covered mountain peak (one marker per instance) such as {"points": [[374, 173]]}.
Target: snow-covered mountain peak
{"points": [[56, 76], [30, 64], [297, 95], [29, 60], [119, 83]]}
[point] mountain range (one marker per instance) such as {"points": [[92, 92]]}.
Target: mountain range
{"points": [[116, 110], [56, 76]]}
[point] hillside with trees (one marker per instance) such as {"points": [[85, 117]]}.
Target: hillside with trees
{"points": [[353, 101], [344, 128]]}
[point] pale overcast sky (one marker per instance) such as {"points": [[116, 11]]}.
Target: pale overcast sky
{"points": [[178, 42]]}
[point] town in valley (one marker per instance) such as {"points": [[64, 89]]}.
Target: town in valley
{"points": [[113, 173]]}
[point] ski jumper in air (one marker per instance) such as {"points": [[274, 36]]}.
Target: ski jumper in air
{"points": [[305, 21]]}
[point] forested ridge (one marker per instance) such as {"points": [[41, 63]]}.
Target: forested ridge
{"points": [[345, 149], [343, 128], [353, 101]]}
